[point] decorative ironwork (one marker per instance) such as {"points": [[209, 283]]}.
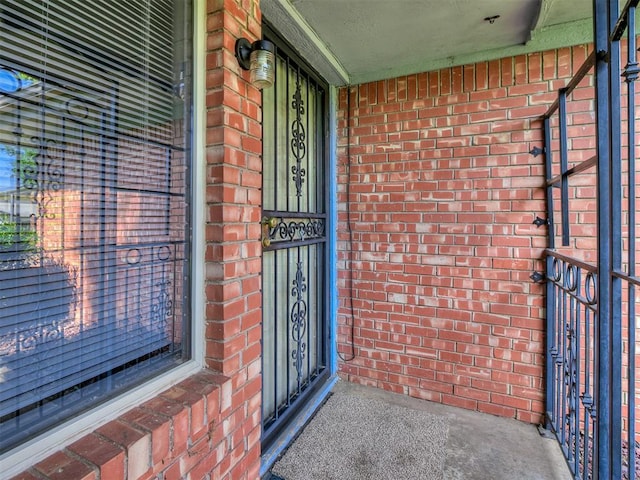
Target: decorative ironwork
{"points": [[290, 229], [39, 334], [631, 72], [162, 305], [570, 365], [299, 322], [153, 315], [293, 229], [572, 311], [42, 175], [48, 323], [298, 138]]}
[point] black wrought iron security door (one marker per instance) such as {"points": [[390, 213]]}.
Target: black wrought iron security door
{"points": [[294, 226]]}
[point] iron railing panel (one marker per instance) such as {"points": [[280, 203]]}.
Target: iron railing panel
{"points": [[591, 343]]}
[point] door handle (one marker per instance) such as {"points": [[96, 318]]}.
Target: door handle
{"points": [[268, 223]]}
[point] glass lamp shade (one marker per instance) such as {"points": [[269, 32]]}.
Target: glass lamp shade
{"points": [[262, 68]]}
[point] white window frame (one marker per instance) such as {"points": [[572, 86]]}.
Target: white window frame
{"points": [[33, 451]]}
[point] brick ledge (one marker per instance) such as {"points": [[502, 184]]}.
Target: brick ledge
{"points": [[171, 433]]}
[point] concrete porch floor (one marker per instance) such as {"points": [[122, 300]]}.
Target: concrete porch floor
{"points": [[365, 433]]}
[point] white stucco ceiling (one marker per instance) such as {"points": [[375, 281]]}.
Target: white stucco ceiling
{"points": [[353, 41]]}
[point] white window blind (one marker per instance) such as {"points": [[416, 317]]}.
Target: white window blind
{"points": [[94, 198]]}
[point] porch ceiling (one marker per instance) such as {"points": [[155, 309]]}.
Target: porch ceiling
{"points": [[356, 41]]}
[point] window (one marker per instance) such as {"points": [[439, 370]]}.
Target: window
{"points": [[95, 109]]}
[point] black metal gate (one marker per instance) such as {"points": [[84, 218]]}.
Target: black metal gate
{"points": [[294, 226], [592, 380]]}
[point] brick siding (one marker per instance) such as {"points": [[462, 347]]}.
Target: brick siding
{"points": [[443, 193]]}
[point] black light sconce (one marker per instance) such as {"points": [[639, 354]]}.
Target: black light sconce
{"points": [[258, 58]]}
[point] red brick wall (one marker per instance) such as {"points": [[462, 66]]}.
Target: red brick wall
{"points": [[443, 193], [208, 424]]}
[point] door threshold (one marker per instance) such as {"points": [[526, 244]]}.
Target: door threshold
{"points": [[272, 476], [282, 441]]}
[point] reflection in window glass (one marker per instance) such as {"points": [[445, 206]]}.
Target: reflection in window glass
{"points": [[94, 196]]}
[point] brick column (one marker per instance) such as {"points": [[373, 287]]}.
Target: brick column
{"points": [[233, 255], [207, 426]]}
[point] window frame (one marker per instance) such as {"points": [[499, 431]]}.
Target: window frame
{"points": [[32, 451]]}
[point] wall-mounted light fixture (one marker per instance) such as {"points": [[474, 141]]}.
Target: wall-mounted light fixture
{"points": [[258, 58]]}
